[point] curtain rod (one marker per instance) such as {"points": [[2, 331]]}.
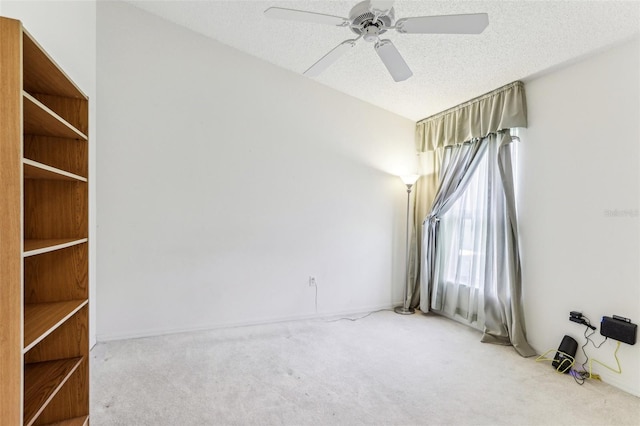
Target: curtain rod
{"points": [[474, 100]]}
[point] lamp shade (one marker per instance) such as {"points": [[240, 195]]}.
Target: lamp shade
{"points": [[409, 179]]}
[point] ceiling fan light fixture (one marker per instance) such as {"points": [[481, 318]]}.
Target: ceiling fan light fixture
{"points": [[370, 33]]}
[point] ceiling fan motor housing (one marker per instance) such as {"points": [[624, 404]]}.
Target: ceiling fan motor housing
{"points": [[362, 24]]}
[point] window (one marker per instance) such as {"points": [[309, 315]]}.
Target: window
{"points": [[461, 227], [472, 239]]}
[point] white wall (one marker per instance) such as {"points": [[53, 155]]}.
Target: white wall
{"points": [[67, 31], [226, 181], [580, 160]]}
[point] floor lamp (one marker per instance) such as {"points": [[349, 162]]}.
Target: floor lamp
{"points": [[405, 309]]}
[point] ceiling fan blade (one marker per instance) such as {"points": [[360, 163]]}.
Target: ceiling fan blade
{"points": [[473, 23], [392, 59], [301, 15], [327, 60]]}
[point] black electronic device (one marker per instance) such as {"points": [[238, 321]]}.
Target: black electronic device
{"points": [[576, 316], [565, 355], [619, 328]]}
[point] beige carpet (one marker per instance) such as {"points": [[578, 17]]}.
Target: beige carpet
{"points": [[385, 369]]}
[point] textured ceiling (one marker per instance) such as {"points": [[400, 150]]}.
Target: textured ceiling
{"points": [[523, 38]]}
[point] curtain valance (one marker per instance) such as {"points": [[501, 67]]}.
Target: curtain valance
{"points": [[503, 108]]}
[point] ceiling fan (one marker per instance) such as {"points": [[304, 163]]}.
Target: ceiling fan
{"points": [[372, 18]]}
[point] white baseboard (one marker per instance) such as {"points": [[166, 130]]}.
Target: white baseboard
{"points": [[137, 334]]}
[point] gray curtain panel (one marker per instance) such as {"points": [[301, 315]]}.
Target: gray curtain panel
{"points": [[424, 192], [504, 315]]}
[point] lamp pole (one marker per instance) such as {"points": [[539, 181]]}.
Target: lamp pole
{"points": [[405, 309]]}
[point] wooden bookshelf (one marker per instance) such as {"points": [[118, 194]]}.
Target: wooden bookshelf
{"points": [[44, 312]]}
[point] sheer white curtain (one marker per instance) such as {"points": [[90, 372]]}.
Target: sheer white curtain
{"points": [[460, 257]]}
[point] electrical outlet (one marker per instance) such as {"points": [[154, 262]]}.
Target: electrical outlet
{"points": [[312, 281]]}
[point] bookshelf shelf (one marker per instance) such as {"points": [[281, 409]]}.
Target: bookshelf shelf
{"points": [[42, 380], [36, 170], [40, 120], [35, 247], [40, 319]]}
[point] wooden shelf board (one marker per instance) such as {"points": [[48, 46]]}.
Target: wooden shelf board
{"points": [[76, 421], [35, 170], [42, 380], [40, 120], [42, 74], [40, 319], [35, 247]]}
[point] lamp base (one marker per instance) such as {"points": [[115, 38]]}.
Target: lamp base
{"points": [[404, 311]]}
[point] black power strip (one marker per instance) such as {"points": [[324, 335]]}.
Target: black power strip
{"points": [[619, 328]]}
